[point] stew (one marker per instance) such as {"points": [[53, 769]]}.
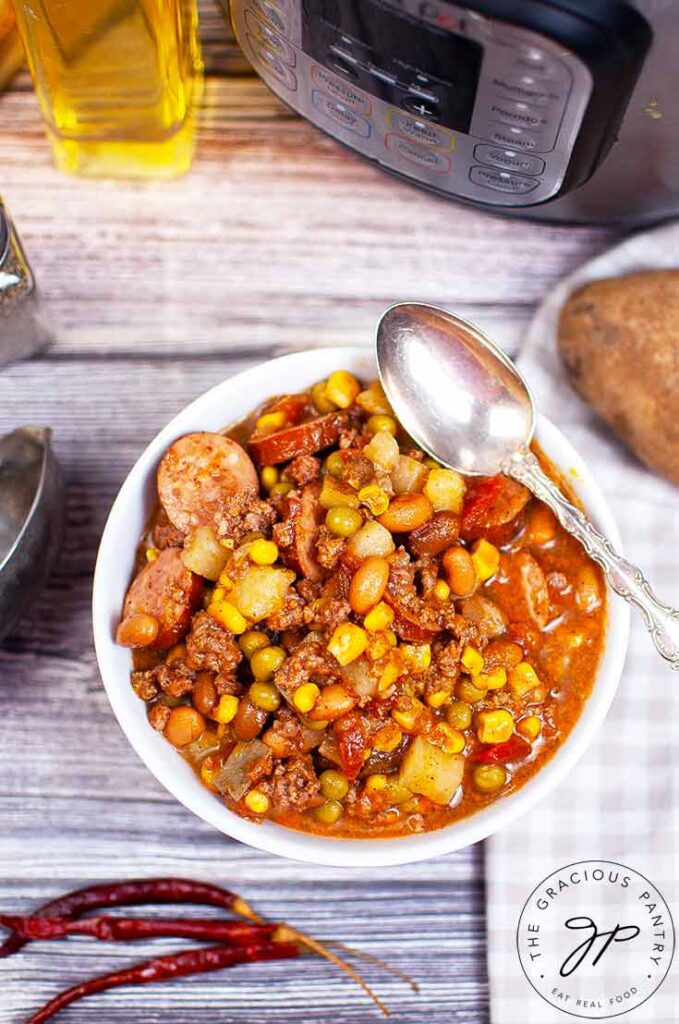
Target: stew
{"points": [[345, 637]]}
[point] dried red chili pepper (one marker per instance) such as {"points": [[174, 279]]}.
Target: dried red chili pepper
{"points": [[133, 893], [123, 929], [177, 965], [513, 749]]}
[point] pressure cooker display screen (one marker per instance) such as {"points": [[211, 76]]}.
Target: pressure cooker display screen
{"points": [[428, 70]]}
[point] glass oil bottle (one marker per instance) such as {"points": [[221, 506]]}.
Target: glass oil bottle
{"points": [[117, 82]]}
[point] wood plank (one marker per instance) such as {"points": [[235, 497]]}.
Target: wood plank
{"points": [[277, 237]]}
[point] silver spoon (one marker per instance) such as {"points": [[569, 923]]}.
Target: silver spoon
{"points": [[31, 515], [465, 403]]}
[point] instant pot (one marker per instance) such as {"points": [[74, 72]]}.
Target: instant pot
{"points": [[552, 109]]}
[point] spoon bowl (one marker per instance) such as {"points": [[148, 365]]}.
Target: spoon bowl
{"points": [[467, 405], [477, 409], [31, 517]]}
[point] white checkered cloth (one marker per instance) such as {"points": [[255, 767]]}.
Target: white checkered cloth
{"points": [[621, 802]]}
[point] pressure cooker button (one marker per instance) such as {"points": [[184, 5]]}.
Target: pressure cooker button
{"points": [[525, 88], [271, 63], [502, 181], [512, 138], [341, 114], [424, 132], [423, 156], [420, 106], [509, 159], [273, 12], [341, 90], [517, 113], [265, 34]]}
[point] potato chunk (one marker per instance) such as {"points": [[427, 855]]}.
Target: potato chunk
{"points": [[431, 771]]}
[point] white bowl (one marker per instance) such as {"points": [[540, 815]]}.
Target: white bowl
{"points": [[228, 402]]}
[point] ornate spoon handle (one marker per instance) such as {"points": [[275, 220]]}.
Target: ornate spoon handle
{"points": [[626, 579]]}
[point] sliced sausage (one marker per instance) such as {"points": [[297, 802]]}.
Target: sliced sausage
{"points": [[303, 439], [491, 509], [198, 473], [169, 592], [302, 517], [530, 591], [434, 537]]}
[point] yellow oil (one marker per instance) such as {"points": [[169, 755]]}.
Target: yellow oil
{"points": [[117, 82], [11, 53]]}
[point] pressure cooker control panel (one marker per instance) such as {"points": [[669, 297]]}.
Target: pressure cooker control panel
{"points": [[468, 105]]}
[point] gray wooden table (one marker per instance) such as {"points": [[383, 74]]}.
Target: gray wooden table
{"points": [[278, 238]]}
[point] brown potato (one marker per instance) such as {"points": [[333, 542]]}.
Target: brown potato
{"points": [[619, 340]]}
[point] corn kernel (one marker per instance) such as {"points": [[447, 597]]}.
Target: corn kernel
{"points": [[448, 739], [388, 738], [530, 727], [305, 696], [269, 477], [257, 802], [263, 552], [348, 642], [227, 615], [373, 400], [408, 719], [152, 554], [342, 389], [375, 498], [494, 726], [225, 711], [374, 783], [441, 590], [379, 618], [523, 678], [224, 584], [271, 421], [382, 422], [472, 660], [486, 559], [416, 657], [437, 699], [493, 680], [320, 397]]}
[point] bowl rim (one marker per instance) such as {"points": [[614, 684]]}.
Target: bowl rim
{"points": [[247, 388]]}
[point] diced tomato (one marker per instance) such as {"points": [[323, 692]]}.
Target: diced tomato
{"points": [[478, 504], [353, 743], [513, 749]]}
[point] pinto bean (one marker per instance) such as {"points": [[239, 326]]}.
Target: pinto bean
{"points": [[406, 513], [368, 584]]}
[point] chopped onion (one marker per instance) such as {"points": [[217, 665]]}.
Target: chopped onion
{"points": [[408, 475], [371, 539]]}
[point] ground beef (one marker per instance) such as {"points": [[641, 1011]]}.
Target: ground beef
{"points": [[242, 514], [328, 613], [144, 684], [175, 680], [462, 629], [304, 469], [359, 470], [309, 589], [290, 616], [287, 735], [426, 573], [329, 548], [226, 683], [404, 596], [309, 662], [444, 671], [295, 786], [284, 533], [211, 647], [158, 716], [164, 534]]}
